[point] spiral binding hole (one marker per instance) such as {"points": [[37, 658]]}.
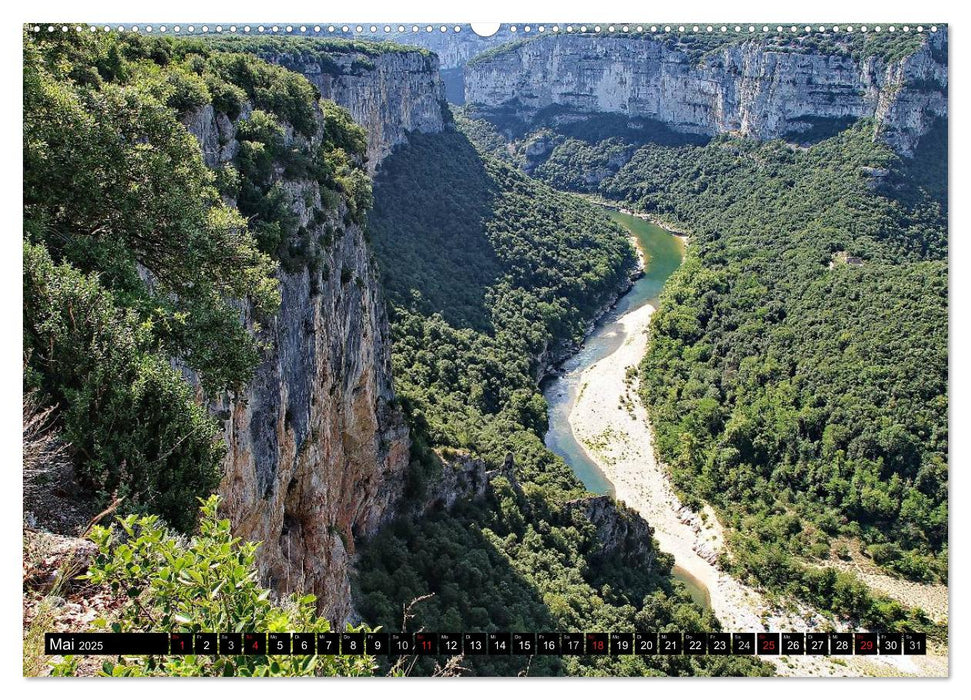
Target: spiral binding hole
{"points": [[513, 29]]}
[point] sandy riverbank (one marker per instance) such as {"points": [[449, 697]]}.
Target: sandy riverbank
{"points": [[611, 424]]}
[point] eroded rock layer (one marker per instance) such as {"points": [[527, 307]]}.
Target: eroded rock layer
{"points": [[745, 88]]}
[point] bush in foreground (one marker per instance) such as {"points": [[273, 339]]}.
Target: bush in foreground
{"points": [[208, 583]]}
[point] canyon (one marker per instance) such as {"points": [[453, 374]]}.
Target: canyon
{"points": [[318, 450], [411, 294]]}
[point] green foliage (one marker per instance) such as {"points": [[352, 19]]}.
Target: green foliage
{"points": [[284, 93], [572, 154], [826, 588], [206, 584], [307, 49], [485, 135], [343, 152], [130, 417], [333, 161], [493, 273], [134, 258], [183, 90], [578, 166], [805, 396], [487, 272], [131, 258], [496, 51], [114, 184]]}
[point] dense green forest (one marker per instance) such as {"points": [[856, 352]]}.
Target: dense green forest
{"points": [[797, 374], [515, 268], [485, 271], [810, 389], [132, 255]]}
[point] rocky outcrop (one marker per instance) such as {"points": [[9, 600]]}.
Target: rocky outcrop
{"points": [[317, 449], [389, 93], [620, 530], [462, 478], [748, 88]]}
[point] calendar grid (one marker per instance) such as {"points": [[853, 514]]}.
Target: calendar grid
{"points": [[488, 643]]}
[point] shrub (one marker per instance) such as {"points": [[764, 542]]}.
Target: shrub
{"points": [[128, 414], [206, 584], [186, 90], [226, 97]]}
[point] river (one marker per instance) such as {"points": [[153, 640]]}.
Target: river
{"points": [[593, 403], [663, 253]]}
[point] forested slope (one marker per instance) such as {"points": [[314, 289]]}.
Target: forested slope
{"points": [[487, 271], [799, 360], [797, 374]]}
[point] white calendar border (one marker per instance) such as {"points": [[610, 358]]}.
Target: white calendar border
{"points": [[173, 11]]}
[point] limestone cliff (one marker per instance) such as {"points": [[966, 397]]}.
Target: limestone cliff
{"points": [[750, 88], [317, 449], [389, 93]]}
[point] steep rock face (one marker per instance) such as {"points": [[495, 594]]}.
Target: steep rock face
{"points": [[454, 49], [620, 530], [746, 88], [317, 449], [462, 477], [389, 94]]}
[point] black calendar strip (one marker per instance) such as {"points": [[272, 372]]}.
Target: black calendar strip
{"points": [[491, 643]]}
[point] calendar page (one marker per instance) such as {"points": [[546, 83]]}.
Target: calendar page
{"points": [[524, 349]]}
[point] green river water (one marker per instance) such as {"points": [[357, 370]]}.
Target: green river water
{"points": [[663, 252]]}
